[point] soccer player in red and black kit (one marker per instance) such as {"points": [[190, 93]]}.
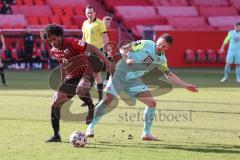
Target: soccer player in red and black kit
{"points": [[77, 73]]}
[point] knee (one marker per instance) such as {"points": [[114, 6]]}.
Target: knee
{"points": [[108, 99], [151, 103], [59, 99]]}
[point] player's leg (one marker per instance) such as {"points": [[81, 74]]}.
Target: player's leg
{"points": [[100, 110], [148, 100], [99, 81], [238, 73], [59, 99], [137, 89], [82, 91], [112, 88], [227, 69], [3, 76], [237, 62], [97, 66]]}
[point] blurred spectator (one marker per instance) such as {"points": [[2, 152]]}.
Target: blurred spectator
{"points": [[28, 46], [16, 52], [40, 52], [2, 45], [107, 21], [9, 1], [2, 73], [1, 63], [6, 9]]}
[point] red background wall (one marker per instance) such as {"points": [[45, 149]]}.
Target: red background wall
{"points": [[193, 40]]}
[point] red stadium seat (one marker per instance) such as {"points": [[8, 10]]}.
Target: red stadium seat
{"points": [[110, 4], [79, 10], [130, 22], [66, 20], [221, 57], [35, 10], [139, 29], [19, 2], [189, 55], [78, 20], [68, 10], [211, 55], [188, 23], [223, 20], [39, 2], [15, 55], [135, 11], [19, 26], [210, 2], [33, 20], [201, 55], [44, 20], [57, 10], [7, 26], [73, 27], [225, 28], [28, 2], [177, 11], [55, 19], [235, 3], [218, 11], [67, 2], [170, 2], [12, 20]]}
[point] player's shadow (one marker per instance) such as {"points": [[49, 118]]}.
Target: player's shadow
{"points": [[203, 148]]}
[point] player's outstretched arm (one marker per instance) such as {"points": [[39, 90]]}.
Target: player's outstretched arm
{"points": [[179, 82], [92, 49], [225, 42], [2, 40]]}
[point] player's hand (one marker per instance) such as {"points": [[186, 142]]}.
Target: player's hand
{"points": [[192, 88], [222, 50], [111, 68], [130, 61]]}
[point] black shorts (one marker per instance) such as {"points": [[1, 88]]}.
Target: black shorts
{"points": [[69, 86], [96, 63], [1, 69]]}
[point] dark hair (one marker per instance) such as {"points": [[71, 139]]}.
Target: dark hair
{"points": [[237, 24], [51, 29], [90, 7], [108, 18], [167, 38]]}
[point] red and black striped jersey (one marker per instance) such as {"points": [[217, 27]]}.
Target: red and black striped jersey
{"points": [[72, 57]]}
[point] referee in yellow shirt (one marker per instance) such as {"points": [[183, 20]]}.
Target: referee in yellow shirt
{"points": [[95, 33]]}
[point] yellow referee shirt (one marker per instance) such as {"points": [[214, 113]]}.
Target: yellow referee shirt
{"points": [[93, 32]]}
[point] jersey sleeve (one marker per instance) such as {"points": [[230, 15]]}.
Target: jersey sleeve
{"points": [[140, 44], [163, 66], [83, 32], [227, 39], [79, 45], [102, 27]]}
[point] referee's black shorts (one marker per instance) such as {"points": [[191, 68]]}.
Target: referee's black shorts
{"points": [[97, 64]]}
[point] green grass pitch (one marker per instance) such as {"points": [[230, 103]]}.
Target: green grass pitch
{"points": [[204, 125]]}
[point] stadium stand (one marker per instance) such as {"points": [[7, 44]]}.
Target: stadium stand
{"points": [[201, 55], [189, 56], [211, 55], [177, 11], [210, 2]]}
